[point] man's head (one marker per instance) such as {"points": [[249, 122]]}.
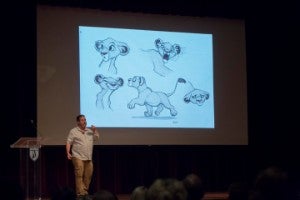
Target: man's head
{"points": [[81, 121]]}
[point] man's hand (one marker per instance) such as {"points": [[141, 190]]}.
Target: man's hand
{"points": [[69, 156], [93, 129], [95, 132]]}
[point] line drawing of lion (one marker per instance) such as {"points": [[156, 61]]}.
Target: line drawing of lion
{"points": [[164, 52], [149, 98], [195, 96], [110, 49], [108, 85]]}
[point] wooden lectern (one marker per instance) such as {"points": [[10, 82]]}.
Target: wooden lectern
{"points": [[30, 166]]}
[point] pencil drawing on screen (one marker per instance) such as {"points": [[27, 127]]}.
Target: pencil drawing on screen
{"points": [[163, 52], [108, 85], [151, 99], [110, 49], [144, 78]]}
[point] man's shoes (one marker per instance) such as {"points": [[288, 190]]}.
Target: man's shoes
{"points": [[88, 197], [80, 197], [84, 197]]}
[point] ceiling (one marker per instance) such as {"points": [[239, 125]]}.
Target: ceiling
{"points": [[234, 9], [210, 8]]}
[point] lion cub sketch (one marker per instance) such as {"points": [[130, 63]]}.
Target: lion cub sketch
{"points": [[109, 50], [149, 98]]}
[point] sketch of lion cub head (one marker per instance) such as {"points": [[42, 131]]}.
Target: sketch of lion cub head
{"points": [[166, 49], [195, 96], [109, 50]]}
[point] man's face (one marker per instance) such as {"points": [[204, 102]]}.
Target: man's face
{"points": [[82, 122]]}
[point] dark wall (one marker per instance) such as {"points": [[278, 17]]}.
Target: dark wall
{"points": [[272, 57], [18, 96]]}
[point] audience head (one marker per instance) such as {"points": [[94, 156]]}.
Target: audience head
{"points": [[271, 183], [104, 195], [166, 189], [194, 186], [65, 193], [139, 193], [238, 191]]}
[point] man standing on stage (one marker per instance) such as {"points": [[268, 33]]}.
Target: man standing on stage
{"points": [[79, 147]]}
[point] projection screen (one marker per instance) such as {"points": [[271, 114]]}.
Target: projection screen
{"points": [[141, 79]]}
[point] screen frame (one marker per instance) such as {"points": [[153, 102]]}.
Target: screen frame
{"points": [[58, 103]]}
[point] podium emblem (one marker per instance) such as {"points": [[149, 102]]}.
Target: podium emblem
{"points": [[34, 153]]}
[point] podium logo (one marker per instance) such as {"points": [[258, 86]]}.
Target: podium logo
{"points": [[34, 153]]}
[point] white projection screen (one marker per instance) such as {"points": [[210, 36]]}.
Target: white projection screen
{"points": [[141, 79]]}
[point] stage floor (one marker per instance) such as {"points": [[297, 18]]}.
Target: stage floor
{"points": [[207, 196]]}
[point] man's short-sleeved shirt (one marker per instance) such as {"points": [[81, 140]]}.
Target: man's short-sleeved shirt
{"points": [[82, 142]]}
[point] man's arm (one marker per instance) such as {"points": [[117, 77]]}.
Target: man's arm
{"points": [[95, 132], [68, 149]]}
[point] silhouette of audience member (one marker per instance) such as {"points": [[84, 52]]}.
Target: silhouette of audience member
{"points": [[139, 193], [166, 189], [65, 193], [104, 195], [194, 186], [270, 184], [238, 191]]}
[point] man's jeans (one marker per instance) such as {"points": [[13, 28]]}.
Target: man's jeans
{"points": [[83, 170]]}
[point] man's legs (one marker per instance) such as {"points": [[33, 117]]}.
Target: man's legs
{"points": [[79, 174], [87, 174]]}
